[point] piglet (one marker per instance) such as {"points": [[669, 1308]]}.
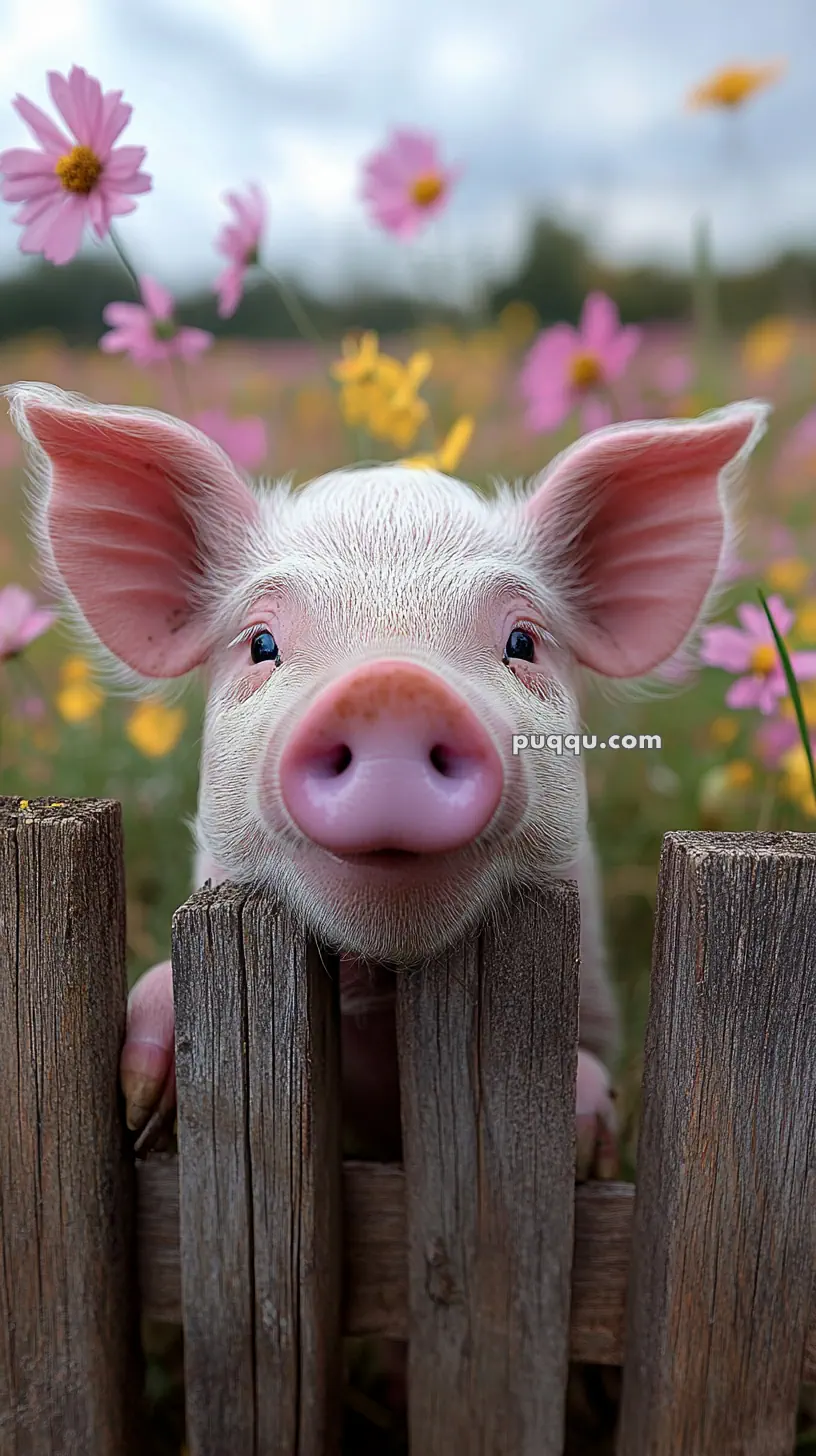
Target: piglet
{"points": [[371, 644]]}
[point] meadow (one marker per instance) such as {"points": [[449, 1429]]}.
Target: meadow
{"points": [[64, 732]]}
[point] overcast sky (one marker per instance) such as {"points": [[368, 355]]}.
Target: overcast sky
{"points": [[567, 105]]}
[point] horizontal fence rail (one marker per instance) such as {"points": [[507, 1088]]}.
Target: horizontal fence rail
{"points": [[375, 1258]]}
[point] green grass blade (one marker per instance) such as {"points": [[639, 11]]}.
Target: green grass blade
{"points": [[793, 688]]}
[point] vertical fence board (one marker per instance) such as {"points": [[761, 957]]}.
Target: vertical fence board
{"points": [[723, 1241], [70, 1358], [488, 1057], [257, 1056]]}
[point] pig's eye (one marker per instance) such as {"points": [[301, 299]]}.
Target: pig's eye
{"points": [[520, 644], [264, 648]]}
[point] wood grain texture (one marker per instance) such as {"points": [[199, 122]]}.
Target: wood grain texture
{"points": [[375, 1256], [488, 1055], [70, 1358], [257, 1060], [723, 1246]]}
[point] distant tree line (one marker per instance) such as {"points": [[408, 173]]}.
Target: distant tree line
{"points": [[559, 267]]}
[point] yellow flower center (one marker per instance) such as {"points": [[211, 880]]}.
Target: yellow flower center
{"points": [[585, 370], [425, 190], [763, 659], [79, 170]]}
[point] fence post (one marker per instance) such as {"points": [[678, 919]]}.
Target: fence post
{"points": [[723, 1242], [257, 1063], [70, 1357], [488, 1047]]}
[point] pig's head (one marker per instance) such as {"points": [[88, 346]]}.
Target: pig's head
{"points": [[372, 643]]}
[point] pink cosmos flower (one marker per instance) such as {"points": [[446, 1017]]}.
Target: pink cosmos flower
{"points": [[751, 649], [243, 440], [802, 440], [569, 369], [74, 179], [239, 242], [147, 331], [405, 183], [674, 374], [774, 738], [21, 620]]}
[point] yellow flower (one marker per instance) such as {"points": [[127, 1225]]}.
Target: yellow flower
{"points": [[806, 620], [357, 401], [795, 783], [78, 698], [734, 85], [78, 701], [154, 729], [788, 575], [768, 345], [518, 322], [739, 774], [75, 669], [361, 358], [447, 457], [398, 426], [723, 731]]}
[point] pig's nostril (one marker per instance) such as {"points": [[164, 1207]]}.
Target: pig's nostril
{"points": [[441, 760], [339, 760]]}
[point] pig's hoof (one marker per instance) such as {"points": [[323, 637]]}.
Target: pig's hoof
{"points": [[147, 1067], [596, 1124]]}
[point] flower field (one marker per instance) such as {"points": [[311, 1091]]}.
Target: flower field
{"points": [[730, 757]]}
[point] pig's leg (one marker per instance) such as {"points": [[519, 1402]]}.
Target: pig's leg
{"points": [[595, 1121], [147, 1067]]}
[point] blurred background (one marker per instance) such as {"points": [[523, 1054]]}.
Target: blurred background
{"points": [[576, 156]]}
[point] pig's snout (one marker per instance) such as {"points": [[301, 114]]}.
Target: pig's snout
{"points": [[390, 758]]}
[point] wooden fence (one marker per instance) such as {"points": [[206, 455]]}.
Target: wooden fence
{"points": [[479, 1249]]}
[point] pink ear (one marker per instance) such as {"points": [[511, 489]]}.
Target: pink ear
{"points": [[138, 506], [630, 523]]}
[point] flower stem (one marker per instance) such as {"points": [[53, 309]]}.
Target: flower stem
{"points": [[705, 302], [293, 307], [766, 805], [124, 260], [182, 384], [793, 689]]}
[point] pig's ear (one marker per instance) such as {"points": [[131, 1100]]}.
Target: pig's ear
{"points": [[136, 510], [629, 526]]}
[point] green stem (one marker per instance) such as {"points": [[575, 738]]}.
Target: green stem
{"points": [[182, 385], [766, 805], [793, 689], [124, 260], [705, 303], [293, 307]]}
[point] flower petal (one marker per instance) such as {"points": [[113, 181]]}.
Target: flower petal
{"points": [[600, 321], [157, 300], [42, 127], [746, 692]]}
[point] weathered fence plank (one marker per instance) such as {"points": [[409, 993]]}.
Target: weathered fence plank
{"points": [[70, 1358], [488, 1055], [723, 1245], [257, 1059]]}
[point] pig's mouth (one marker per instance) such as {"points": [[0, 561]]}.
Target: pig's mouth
{"points": [[385, 857]]}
